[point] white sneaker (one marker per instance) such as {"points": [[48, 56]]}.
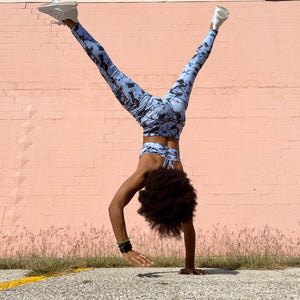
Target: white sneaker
{"points": [[60, 10], [220, 16]]}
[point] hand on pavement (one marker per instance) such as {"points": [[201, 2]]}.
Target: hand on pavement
{"points": [[141, 260]]}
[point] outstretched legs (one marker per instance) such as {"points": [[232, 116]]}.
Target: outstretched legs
{"points": [[131, 95]]}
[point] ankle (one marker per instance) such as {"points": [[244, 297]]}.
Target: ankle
{"points": [[70, 23]]}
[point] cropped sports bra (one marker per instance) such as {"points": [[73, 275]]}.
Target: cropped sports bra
{"points": [[169, 154]]}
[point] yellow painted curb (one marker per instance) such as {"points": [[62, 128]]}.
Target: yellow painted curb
{"points": [[20, 282], [28, 280], [79, 270]]}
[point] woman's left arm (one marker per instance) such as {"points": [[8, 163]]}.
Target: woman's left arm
{"points": [[190, 244]]}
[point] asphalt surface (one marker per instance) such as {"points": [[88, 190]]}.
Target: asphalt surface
{"points": [[158, 283]]}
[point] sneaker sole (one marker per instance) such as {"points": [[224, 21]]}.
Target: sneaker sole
{"points": [[62, 6], [223, 12]]}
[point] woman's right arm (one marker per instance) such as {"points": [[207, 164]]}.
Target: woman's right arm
{"points": [[116, 213]]}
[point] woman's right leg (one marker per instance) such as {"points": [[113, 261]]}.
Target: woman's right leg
{"points": [[126, 90]]}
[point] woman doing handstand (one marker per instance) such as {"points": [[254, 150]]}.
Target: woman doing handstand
{"points": [[167, 198]]}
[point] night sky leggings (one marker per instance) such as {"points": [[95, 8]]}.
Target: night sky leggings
{"points": [[158, 116]]}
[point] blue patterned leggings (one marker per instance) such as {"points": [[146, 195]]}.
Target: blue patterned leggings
{"points": [[158, 116]]}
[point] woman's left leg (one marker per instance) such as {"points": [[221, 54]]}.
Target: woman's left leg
{"points": [[183, 86]]}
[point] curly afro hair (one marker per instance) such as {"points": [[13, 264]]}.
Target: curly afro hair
{"points": [[167, 201]]}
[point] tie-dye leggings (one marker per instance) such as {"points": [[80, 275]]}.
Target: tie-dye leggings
{"points": [[158, 116]]}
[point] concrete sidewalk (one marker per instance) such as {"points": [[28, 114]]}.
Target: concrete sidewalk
{"points": [[158, 283]]}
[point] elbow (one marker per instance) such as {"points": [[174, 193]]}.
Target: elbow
{"points": [[114, 208], [111, 208]]}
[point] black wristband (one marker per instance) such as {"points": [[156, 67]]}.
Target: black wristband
{"points": [[126, 247]]}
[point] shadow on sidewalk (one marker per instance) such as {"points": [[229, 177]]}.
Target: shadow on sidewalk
{"points": [[211, 271]]}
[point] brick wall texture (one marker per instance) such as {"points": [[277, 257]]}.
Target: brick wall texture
{"points": [[67, 144]]}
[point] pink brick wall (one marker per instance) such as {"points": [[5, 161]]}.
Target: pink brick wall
{"points": [[67, 145]]}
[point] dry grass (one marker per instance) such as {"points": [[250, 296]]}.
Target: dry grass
{"points": [[57, 250]]}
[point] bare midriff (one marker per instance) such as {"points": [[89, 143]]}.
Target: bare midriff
{"points": [[171, 142]]}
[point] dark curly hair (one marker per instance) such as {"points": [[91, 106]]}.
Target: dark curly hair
{"points": [[167, 201]]}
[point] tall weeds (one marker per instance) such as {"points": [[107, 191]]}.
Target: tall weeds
{"points": [[219, 241]]}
